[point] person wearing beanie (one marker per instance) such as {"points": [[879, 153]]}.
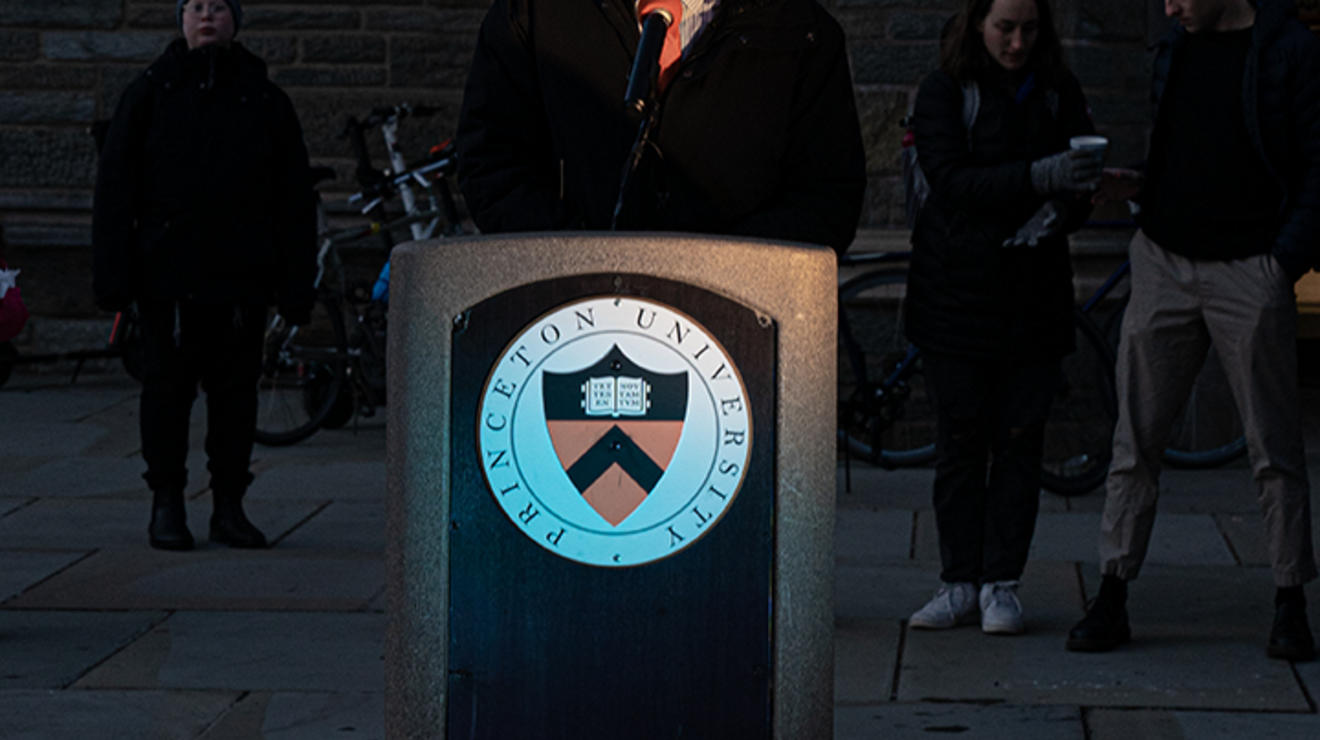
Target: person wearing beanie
{"points": [[235, 11], [204, 217]]}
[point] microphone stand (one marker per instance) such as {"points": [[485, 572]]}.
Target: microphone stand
{"points": [[650, 116], [641, 99]]}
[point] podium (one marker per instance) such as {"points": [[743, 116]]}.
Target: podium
{"points": [[610, 504]]}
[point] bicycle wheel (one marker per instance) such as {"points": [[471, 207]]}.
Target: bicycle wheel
{"points": [[885, 413], [302, 371], [1080, 429], [1208, 431]]}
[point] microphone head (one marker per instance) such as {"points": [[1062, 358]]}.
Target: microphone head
{"points": [[671, 8]]}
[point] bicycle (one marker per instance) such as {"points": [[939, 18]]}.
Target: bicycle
{"points": [[332, 369], [886, 416]]}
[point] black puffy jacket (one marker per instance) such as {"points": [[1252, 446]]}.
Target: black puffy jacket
{"points": [[202, 189], [1281, 99], [758, 134], [967, 294]]}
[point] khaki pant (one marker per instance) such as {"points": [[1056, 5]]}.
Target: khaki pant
{"points": [[1178, 308]]}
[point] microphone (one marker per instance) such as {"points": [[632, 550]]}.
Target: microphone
{"points": [[659, 22]]}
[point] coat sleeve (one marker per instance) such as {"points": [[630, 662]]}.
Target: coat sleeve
{"points": [[116, 263], [824, 176], [295, 219], [1297, 247], [1074, 120], [947, 162], [506, 168]]}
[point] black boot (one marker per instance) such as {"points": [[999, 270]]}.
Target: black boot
{"points": [[1290, 638], [1105, 625], [169, 522], [229, 525]]}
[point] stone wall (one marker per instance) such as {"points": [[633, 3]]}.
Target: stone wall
{"points": [[63, 64]]}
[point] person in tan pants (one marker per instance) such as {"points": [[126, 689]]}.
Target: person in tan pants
{"points": [[1230, 219]]}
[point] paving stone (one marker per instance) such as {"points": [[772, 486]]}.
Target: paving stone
{"points": [[342, 526], [867, 594], [864, 659], [365, 444], [79, 476], [907, 720], [49, 439], [1198, 643], [145, 715], [1201, 603], [252, 651], [214, 578], [303, 716], [871, 537], [1178, 539], [122, 523], [875, 488], [10, 505], [1108, 724], [1246, 535], [66, 403], [21, 570], [51, 649], [340, 480]]}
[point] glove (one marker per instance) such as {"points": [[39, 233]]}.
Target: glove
{"points": [[297, 315], [1073, 171], [1044, 224]]}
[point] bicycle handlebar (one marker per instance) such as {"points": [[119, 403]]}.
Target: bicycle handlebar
{"points": [[386, 114]]}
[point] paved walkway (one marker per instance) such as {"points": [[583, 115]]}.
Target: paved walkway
{"points": [[101, 636]]}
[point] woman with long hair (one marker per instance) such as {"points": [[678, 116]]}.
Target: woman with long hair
{"points": [[990, 291]]}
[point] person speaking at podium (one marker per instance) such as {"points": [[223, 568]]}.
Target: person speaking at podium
{"points": [[742, 122]]}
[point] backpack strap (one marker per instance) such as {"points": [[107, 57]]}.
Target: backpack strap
{"points": [[971, 107]]}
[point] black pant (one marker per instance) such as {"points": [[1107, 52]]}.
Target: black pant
{"points": [[220, 346], [991, 415]]}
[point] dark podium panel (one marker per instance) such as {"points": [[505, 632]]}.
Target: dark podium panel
{"points": [[679, 647], [610, 502]]}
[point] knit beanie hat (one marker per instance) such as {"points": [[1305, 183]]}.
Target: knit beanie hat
{"points": [[235, 10]]}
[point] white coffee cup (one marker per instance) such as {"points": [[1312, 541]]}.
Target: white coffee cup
{"points": [[1089, 144]]}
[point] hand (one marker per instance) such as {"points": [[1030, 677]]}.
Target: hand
{"points": [[1072, 171], [1042, 225], [1118, 184], [299, 315]]}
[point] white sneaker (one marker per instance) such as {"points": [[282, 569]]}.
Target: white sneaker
{"points": [[1001, 612], [952, 605]]}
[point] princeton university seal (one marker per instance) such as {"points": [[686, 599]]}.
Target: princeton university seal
{"points": [[614, 431]]}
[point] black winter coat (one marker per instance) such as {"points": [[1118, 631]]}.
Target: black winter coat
{"points": [[758, 134], [967, 294], [1281, 100], [202, 189]]}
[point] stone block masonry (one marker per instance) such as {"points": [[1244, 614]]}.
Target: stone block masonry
{"points": [[64, 63]]}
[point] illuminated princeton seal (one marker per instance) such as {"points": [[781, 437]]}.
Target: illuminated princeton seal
{"points": [[614, 431]]}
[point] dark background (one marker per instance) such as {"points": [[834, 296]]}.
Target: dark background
{"points": [[63, 64]]}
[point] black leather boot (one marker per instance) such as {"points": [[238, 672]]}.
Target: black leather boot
{"points": [[229, 525], [1105, 625], [1290, 638], [169, 522]]}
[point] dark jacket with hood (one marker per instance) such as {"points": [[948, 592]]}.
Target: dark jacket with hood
{"points": [[1281, 102], [202, 190], [967, 294], [758, 132]]}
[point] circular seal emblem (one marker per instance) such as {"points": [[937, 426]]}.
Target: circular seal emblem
{"points": [[614, 431]]}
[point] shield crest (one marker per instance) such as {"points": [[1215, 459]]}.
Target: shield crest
{"points": [[615, 426]]}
